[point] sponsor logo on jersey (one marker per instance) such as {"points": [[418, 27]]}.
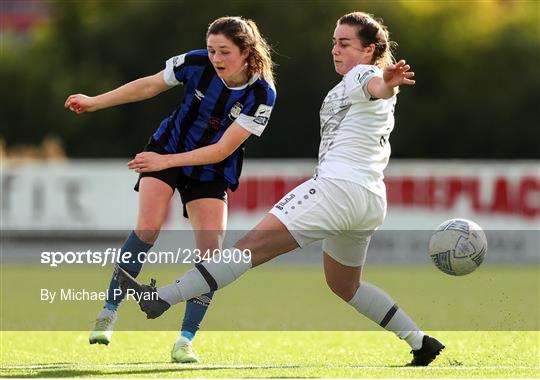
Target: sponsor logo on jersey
{"points": [[361, 76], [235, 110], [262, 115], [178, 60], [285, 200], [199, 95], [214, 123]]}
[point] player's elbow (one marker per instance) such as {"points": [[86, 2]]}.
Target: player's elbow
{"points": [[152, 86], [389, 93], [222, 152], [384, 93], [151, 90]]}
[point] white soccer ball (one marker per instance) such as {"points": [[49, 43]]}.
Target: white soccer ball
{"points": [[458, 246]]}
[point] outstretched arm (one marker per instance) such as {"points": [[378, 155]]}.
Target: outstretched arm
{"points": [[140, 89], [393, 76], [227, 144]]}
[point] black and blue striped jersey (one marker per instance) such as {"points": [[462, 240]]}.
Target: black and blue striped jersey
{"points": [[209, 107]]}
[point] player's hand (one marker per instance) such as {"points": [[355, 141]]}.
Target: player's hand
{"points": [[80, 103], [398, 74], [148, 162]]}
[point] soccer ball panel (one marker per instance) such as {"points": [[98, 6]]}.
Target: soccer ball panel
{"points": [[458, 246]]}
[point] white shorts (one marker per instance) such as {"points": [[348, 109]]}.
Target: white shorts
{"points": [[344, 214]]}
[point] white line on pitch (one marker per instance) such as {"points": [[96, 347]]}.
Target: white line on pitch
{"points": [[249, 366]]}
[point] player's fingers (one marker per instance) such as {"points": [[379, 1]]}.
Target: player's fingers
{"points": [[408, 81], [408, 74], [71, 99]]}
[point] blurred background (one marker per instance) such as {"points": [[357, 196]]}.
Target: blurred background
{"points": [[466, 144], [470, 125], [476, 95]]}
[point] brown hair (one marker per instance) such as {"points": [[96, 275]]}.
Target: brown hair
{"points": [[372, 31], [245, 34]]}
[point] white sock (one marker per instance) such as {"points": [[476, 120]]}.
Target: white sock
{"points": [[378, 306], [181, 341], [205, 277], [192, 282]]}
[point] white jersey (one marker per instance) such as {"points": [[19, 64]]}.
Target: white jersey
{"points": [[355, 130]]}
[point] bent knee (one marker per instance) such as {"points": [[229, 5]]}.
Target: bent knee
{"points": [[148, 233], [344, 291]]}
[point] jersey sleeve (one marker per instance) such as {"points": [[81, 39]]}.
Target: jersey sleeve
{"points": [[256, 113], [356, 81], [174, 73]]}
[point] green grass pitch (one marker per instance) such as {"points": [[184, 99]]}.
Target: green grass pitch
{"points": [[268, 354], [292, 310]]}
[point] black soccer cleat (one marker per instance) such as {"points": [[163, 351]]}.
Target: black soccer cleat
{"points": [[431, 347], [146, 295]]}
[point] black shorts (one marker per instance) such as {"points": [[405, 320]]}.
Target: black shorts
{"points": [[190, 189]]}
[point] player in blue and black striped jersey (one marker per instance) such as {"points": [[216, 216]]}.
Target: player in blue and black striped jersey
{"points": [[197, 150]]}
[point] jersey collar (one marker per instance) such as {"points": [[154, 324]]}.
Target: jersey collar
{"points": [[252, 80]]}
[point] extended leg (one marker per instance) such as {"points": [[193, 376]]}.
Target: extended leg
{"points": [[269, 239]]}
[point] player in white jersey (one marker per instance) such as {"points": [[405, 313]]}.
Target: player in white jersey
{"points": [[342, 205]]}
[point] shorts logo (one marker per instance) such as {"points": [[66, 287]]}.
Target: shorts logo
{"points": [[262, 115], [235, 110], [312, 191], [285, 200]]}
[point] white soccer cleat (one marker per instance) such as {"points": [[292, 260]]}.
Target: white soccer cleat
{"points": [[182, 352], [104, 327]]}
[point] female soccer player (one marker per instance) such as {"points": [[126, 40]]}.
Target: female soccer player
{"points": [[345, 201], [229, 96]]}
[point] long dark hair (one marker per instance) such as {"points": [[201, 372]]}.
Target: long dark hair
{"points": [[245, 34], [372, 31]]}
